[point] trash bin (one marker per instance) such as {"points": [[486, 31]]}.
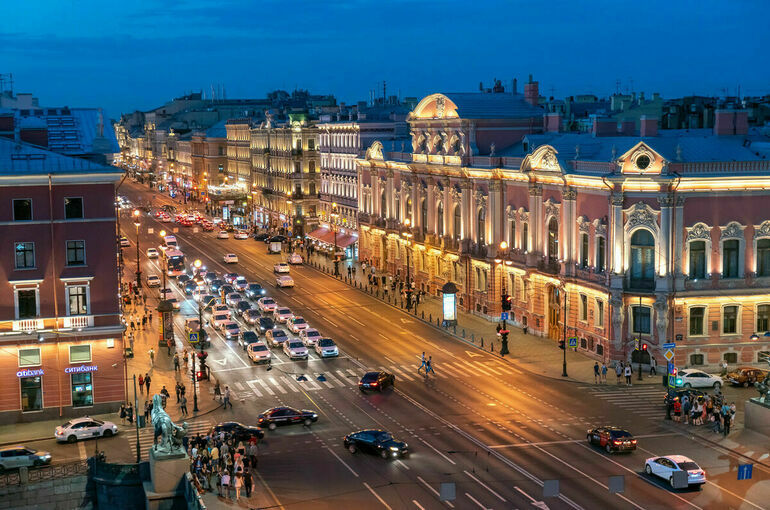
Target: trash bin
{"points": [[141, 421]]}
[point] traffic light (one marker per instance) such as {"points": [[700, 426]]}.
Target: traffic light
{"points": [[505, 301], [644, 347], [561, 345]]}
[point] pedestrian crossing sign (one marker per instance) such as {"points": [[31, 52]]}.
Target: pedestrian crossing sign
{"points": [[669, 354], [193, 337], [573, 341]]}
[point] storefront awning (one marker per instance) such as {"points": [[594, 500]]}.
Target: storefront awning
{"points": [[343, 241], [323, 235]]}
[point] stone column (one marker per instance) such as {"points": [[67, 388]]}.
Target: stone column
{"points": [[664, 244], [448, 209], [389, 195], [678, 243], [494, 217], [616, 225], [569, 207], [535, 223], [465, 204], [433, 192]]}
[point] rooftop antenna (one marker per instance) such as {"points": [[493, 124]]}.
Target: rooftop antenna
{"points": [[384, 90]]}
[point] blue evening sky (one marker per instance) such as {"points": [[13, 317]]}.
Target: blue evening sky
{"points": [[136, 54]]}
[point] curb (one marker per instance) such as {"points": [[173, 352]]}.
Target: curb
{"points": [[23, 441]]}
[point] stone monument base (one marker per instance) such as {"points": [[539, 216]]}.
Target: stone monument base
{"points": [[757, 416], [165, 490]]}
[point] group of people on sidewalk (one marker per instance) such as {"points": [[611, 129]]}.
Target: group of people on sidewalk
{"points": [[221, 463], [703, 410]]}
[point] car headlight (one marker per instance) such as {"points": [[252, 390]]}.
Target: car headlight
{"points": [[315, 415], [394, 448]]}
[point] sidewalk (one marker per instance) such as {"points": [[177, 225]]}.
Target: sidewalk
{"points": [[531, 353]]}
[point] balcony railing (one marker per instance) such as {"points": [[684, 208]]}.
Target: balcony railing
{"points": [[549, 266], [296, 152], [364, 218], [51, 323], [28, 325], [79, 321]]}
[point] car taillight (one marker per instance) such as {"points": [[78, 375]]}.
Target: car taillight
{"points": [[374, 384], [616, 442], [633, 441]]}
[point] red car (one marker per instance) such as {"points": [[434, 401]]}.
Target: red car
{"points": [[612, 439]]}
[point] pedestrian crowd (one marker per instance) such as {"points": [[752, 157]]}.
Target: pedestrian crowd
{"points": [[223, 464], [712, 411]]}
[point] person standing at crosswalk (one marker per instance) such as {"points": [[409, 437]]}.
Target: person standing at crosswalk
{"points": [[422, 365], [604, 373], [227, 398], [627, 372], [619, 370], [183, 405], [429, 366], [596, 372]]}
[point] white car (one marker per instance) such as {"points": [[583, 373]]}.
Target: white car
{"points": [[284, 281], [231, 329], [276, 336], [295, 349], [241, 234], [281, 267], [295, 258], [326, 348], [267, 304], [223, 235], [16, 456], [258, 352], [152, 253], [221, 309], [296, 324], [309, 336], [282, 315], [84, 428], [219, 320], [233, 298], [665, 467], [241, 283], [124, 242], [153, 280], [692, 378], [230, 258], [175, 303]]}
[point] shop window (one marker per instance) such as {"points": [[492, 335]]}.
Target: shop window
{"points": [[697, 317], [29, 357], [600, 250], [730, 249], [80, 353], [31, 393], [26, 303], [82, 390], [763, 257], [77, 300], [641, 319], [763, 318], [22, 209], [697, 259], [696, 359], [25, 255], [730, 320], [599, 313], [76, 253], [73, 208], [731, 357]]}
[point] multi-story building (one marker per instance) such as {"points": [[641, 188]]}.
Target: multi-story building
{"points": [[60, 323], [209, 157], [286, 178], [657, 236]]}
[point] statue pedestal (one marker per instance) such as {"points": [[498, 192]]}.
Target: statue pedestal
{"points": [[166, 489], [757, 416]]}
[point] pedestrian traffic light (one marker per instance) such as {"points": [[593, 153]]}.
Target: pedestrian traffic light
{"points": [[644, 347], [505, 301], [561, 344]]}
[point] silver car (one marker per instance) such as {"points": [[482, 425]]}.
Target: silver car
{"points": [[13, 457]]}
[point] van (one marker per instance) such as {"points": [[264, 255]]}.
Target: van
{"points": [[170, 241]]}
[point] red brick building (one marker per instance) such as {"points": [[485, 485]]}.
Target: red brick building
{"points": [[60, 325]]}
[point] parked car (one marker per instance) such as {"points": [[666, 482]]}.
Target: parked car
{"points": [[284, 281], [309, 336], [241, 432], [693, 378], [295, 258], [258, 352], [376, 381], [14, 457], [295, 349], [326, 348], [665, 467], [275, 416], [267, 304], [612, 439], [281, 267], [152, 253], [377, 442], [84, 428], [296, 324], [276, 337], [153, 280], [745, 376], [254, 290], [230, 258], [282, 315], [223, 235]]}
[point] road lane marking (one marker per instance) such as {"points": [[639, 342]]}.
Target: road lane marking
{"points": [[418, 505], [377, 496], [435, 450], [239, 386], [290, 383], [272, 494], [402, 373], [400, 463], [265, 386], [475, 501], [252, 385], [327, 319], [343, 462], [355, 320], [485, 486], [277, 386], [487, 367], [434, 491]]}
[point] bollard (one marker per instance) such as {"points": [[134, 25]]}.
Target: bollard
{"points": [[473, 337], [438, 321], [454, 329], [430, 317], [423, 315], [463, 332], [491, 346]]}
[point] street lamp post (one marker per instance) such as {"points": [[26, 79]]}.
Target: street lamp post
{"points": [[504, 304], [197, 264], [564, 353], [138, 267], [408, 235], [163, 269], [334, 216]]}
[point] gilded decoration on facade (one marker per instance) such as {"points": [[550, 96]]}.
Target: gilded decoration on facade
{"points": [[762, 230]]}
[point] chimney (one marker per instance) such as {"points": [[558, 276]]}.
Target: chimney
{"points": [[514, 86], [648, 126], [741, 122], [604, 127], [724, 122], [531, 93], [627, 127], [552, 122]]}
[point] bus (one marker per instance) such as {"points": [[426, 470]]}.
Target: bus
{"points": [[175, 262]]}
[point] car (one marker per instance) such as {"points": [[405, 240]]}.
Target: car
{"points": [[252, 316], [282, 315], [222, 308], [248, 337], [153, 280], [284, 281], [198, 293], [281, 267], [170, 241], [190, 286], [745, 376], [216, 284], [665, 467], [191, 325], [231, 330], [258, 352], [296, 324], [242, 306], [309, 336], [210, 277], [679, 393], [265, 324], [295, 258], [225, 290], [183, 278], [208, 301], [276, 337], [377, 442], [612, 439], [16, 456], [254, 290], [267, 304], [275, 416], [264, 236], [174, 303], [693, 378], [84, 428], [219, 320], [124, 242], [230, 277], [242, 433], [230, 258], [166, 293], [222, 234], [152, 253], [207, 226], [376, 381], [326, 348], [279, 239], [233, 298], [295, 349], [241, 283], [241, 234]]}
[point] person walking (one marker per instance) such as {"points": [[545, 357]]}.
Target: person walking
{"points": [[132, 325], [217, 392], [176, 362], [141, 384], [183, 405], [226, 483], [653, 366], [150, 318], [130, 414], [350, 272], [227, 398], [422, 364], [144, 321], [151, 353], [597, 376], [248, 482], [238, 486], [177, 391], [168, 344], [627, 372], [429, 366], [122, 414], [604, 373], [726, 419], [147, 381], [619, 370], [131, 342]]}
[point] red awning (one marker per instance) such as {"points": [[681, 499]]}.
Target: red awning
{"points": [[343, 241], [322, 234]]}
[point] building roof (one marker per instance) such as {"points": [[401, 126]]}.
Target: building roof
{"points": [[218, 130], [478, 105], [17, 158]]}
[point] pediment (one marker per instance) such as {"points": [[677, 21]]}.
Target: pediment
{"points": [[641, 159], [543, 158]]}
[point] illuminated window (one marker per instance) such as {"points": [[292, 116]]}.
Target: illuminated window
{"points": [[458, 222], [641, 319], [730, 250], [25, 255], [583, 307], [584, 251], [481, 227], [599, 313], [763, 257], [600, 254], [525, 237], [642, 274], [763, 318], [553, 240]]}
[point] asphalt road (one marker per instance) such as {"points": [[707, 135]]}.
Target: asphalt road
{"points": [[495, 430]]}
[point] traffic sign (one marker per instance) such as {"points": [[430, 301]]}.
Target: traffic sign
{"points": [[670, 345], [669, 355], [573, 341], [193, 337], [285, 225], [672, 381], [504, 316], [670, 368], [745, 471]]}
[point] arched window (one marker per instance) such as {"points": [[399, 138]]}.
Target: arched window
{"points": [[642, 260], [584, 250], [763, 257], [312, 188], [458, 223], [440, 219], [697, 251], [424, 215], [481, 227], [553, 239], [383, 205]]}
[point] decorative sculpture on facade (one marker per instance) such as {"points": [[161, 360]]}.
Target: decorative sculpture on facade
{"points": [[733, 230], [640, 215], [699, 231], [170, 435]]}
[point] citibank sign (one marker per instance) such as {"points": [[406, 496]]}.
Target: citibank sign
{"points": [[81, 369], [30, 373]]}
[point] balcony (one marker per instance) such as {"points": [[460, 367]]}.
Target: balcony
{"points": [[364, 218], [640, 284], [550, 266], [78, 321], [49, 323], [28, 325], [296, 152]]}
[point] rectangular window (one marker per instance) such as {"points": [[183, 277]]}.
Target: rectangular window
{"points": [[80, 353], [730, 319], [763, 257], [310, 144], [82, 390], [27, 303], [76, 253], [25, 255], [599, 313], [22, 209], [763, 318], [31, 393], [698, 259], [600, 247], [697, 316], [641, 321], [525, 291], [696, 359], [584, 251], [297, 167], [730, 250], [583, 307], [525, 237], [29, 357], [78, 300], [731, 357], [73, 208]]}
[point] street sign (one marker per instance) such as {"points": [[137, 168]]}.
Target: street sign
{"points": [[672, 381], [637, 344], [745, 471], [573, 341], [193, 337], [285, 225], [504, 316], [669, 355], [670, 368], [670, 345]]}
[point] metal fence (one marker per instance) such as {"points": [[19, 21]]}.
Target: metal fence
{"points": [[51, 472]]}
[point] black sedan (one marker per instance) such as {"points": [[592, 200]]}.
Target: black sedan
{"points": [[189, 287], [261, 237], [210, 277], [255, 291], [240, 431], [376, 381], [278, 239], [248, 337], [377, 442], [612, 439], [242, 306], [275, 416], [251, 316], [265, 324], [215, 285]]}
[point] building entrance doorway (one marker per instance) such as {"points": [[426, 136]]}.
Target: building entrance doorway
{"points": [[554, 312]]}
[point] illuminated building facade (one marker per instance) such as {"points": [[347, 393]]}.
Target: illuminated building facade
{"points": [[657, 236]]}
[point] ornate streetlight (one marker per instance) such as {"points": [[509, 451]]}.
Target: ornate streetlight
{"points": [[137, 222], [408, 236]]}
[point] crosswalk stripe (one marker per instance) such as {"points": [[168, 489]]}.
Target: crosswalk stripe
{"points": [[488, 367], [471, 367], [288, 382], [238, 385], [400, 373], [253, 386], [277, 386], [265, 387], [310, 384], [333, 379], [345, 377], [355, 376], [448, 367]]}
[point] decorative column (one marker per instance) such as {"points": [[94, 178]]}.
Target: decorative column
{"points": [[449, 209], [616, 225], [432, 198], [664, 244], [535, 223], [678, 243], [569, 196], [389, 195], [465, 205], [494, 217], [416, 190]]}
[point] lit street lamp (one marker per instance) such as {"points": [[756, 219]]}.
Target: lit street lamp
{"points": [[334, 216], [137, 222], [408, 236], [505, 305], [197, 265]]}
